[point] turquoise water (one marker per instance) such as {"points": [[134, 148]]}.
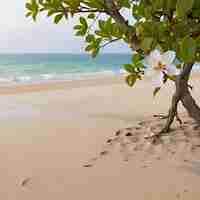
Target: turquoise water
{"points": [[34, 68]]}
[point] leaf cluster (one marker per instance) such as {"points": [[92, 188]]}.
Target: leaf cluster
{"points": [[163, 24]]}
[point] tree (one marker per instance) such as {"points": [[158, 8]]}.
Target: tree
{"points": [[164, 25]]}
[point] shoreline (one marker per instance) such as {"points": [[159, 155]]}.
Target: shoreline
{"points": [[13, 89], [59, 85]]}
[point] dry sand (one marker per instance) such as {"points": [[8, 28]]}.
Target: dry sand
{"points": [[49, 132]]}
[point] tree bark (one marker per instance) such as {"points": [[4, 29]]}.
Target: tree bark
{"points": [[191, 106], [183, 94]]}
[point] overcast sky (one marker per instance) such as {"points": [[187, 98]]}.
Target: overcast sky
{"points": [[20, 35]]}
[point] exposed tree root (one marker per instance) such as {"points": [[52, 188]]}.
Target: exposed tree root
{"points": [[178, 119], [162, 117], [182, 94]]}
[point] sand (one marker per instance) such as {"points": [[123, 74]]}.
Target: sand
{"points": [[58, 141]]}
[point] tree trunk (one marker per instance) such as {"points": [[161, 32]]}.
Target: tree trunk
{"points": [[183, 94], [191, 106]]}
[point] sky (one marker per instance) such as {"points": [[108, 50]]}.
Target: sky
{"points": [[19, 34]]}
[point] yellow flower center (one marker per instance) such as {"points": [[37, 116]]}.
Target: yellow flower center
{"points": [[160, 66]]}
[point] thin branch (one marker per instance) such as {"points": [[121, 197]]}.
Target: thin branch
{"points": [[80, 10], [113, 11], [109, 42], [186, 71], [65, 11]]}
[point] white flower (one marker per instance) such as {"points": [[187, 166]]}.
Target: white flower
{"points": [[161, 64]]}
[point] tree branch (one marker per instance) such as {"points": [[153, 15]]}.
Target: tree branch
{"points": [[113, 11], [186, 71], [109, 42]]}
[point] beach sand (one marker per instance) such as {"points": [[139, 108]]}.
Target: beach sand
{"points": [[58, 141]]}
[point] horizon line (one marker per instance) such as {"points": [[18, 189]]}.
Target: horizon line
{"points": [[84, 53]]}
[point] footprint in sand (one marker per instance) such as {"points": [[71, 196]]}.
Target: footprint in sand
{"points": [[104, 153], [25, 182], [88, 165], [183, 142]]}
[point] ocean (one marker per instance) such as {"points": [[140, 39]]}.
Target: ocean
{"points": [[39, 68]]}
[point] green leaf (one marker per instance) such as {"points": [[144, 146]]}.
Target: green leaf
{"points": [[146, 44], [116, 31], [136, 58], [89, 38], [77, 27], [148, 12], [81, 32], [124, 3], [91, 16], [89, 48], [131, 80], [129, 68], [95, 52], [187, 49], [158, 4], [51, 12], [183, 6], [196, 4], [95, 4], [28, 14], [198, 42], [138, 11], [83, 22], [102, 25], [29, 6], [58, 18], [170, 4], [156, 90], [34, 16]]}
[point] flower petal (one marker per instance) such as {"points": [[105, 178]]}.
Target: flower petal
{"points": [[155, 53], [151, 72], [149, 62], [158, 82], [168, 57], [152, 59], [172, 70], [155, 57]]}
